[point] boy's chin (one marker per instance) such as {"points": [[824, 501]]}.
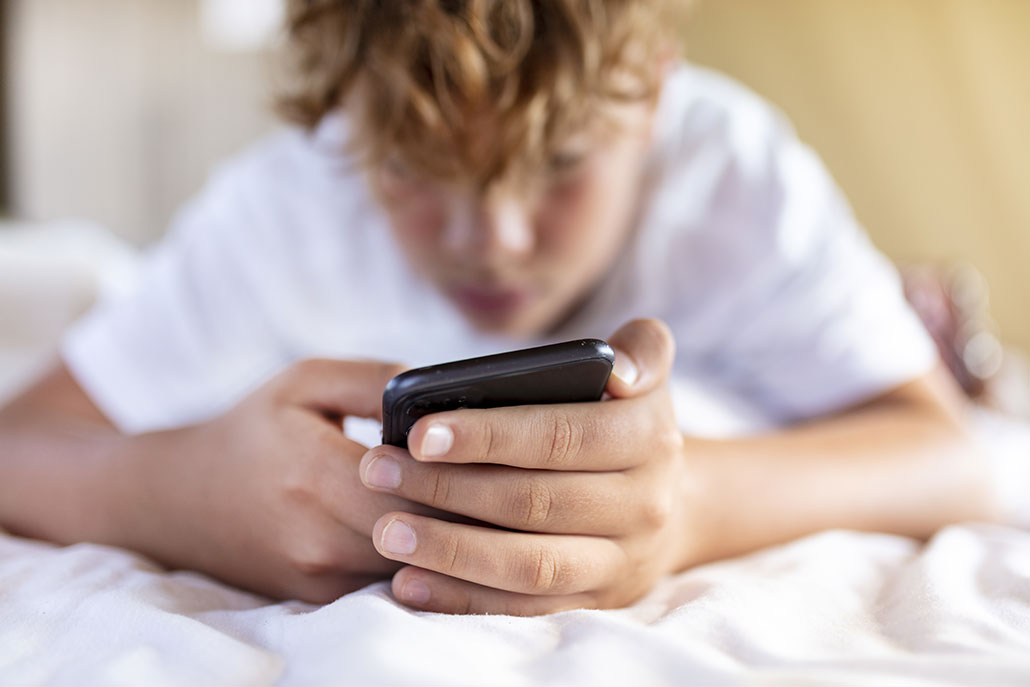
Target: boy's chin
{"points": [[519, 325]]}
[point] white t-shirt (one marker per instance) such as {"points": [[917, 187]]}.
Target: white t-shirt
{"points": [[781, 308]]}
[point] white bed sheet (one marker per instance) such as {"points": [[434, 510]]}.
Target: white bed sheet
{"points": [[838, 607]]}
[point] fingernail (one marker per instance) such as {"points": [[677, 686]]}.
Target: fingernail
{"points": [[438, 441], [415, 591], [625, 369], [398, 538], [383, 473]]}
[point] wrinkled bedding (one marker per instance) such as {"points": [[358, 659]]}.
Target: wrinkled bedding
{"points": [[837, 607]]}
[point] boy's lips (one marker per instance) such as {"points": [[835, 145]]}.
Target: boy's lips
{"points": [[489, 301]]}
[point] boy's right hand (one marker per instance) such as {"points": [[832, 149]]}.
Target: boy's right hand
{"points": [[268, 496]]}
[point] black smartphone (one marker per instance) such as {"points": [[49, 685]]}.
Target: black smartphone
{"points": [[570, 372]]}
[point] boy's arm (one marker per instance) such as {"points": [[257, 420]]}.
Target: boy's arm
{"points": [[56, 450], [265, 496], [902, 463], [609, 496]]}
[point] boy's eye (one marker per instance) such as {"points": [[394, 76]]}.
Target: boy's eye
{"points": [[566, 162], [397, 168]]}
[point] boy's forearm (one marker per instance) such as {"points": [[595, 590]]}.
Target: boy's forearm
{"points": [[900, 467], [68, 480], [60, 478]]}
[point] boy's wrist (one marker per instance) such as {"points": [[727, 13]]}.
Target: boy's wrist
{"points": [[703, 502], [147, 485], [113, 491]]}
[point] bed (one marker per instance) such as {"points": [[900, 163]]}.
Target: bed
{"points": [[837, 607]]}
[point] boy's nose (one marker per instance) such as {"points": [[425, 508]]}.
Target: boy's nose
{"points": [[491, 230]]}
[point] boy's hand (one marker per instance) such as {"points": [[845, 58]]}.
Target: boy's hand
{"points": [[594, 490], [267, 496]]}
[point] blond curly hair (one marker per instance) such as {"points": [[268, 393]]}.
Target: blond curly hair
{"points": [[412, 74]]}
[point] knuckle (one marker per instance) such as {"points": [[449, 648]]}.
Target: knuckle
{"points": [[303, 479], [298, 485], [656, 512], [453, 556], [531, 504], [566, 440], [439, 487], [325, 446], [310, 558], [542, 573], [487, 432], [309, 367], [285, 385], [669, 439]]}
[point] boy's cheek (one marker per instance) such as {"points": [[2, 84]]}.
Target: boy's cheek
{"points": [[415, 208], [417, 221]]}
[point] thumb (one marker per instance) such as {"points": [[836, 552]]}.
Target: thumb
{"points": [[339, 387], [644, 350]]}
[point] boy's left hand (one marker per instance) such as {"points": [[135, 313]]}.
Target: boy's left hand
{"points": [[596, 494]]}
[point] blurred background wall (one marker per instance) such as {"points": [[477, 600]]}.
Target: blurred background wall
{"points": [[921, 108], [118, 108]]}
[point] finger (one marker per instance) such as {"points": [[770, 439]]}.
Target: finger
{"points": [[644, 351], [545, 564], [338, 387], [574, 436], [545, 501], [325, 548], [430, 591], [332, 480]]}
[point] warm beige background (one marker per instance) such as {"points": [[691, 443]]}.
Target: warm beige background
{"points": [[921, 108]]}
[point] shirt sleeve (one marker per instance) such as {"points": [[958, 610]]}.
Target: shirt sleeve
{"points": [[783, 292], [191, 336]]}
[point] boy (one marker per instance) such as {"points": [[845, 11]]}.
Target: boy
{"points": [[470, 177]]}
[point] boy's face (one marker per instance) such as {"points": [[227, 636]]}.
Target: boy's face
{"points": [[519, 259]]}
